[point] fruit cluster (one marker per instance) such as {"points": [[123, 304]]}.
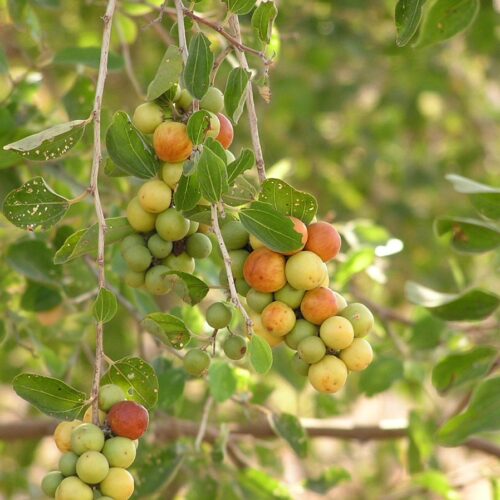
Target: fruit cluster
{"points": [[95, 459]]}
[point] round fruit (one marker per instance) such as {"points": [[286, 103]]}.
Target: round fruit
{"points": [[185, 100], [182, 262], [171, 142], [171, 225], [226, 134], [242, 287], [119, 452], [193, 227], [138, 218], [87, 437], [328, 375], [324, 240], [134, 279], [261, 331], [318, 305], [62, 434], [67, 463], [290, 296], [109, 395], [255, 242], [118, 484], [213, 127], [213, 100], [157, 281], [92, 467], [235, 236], [159, 247], [73, 488], [131, 240], [147, 117], [218, 315], [138, 258], [258, 300], [341, 302], [300, 228], [337, 333], [199, 246], [358, 355], [278, 318], [128, 419], [50, 483], [300, 331], [234, 347], [154, 196], [87, 417], [238, 258], [305, 271], [264, 270], [196, 362], [299, 365], [360, 317], [171, 174], [311, 349]]}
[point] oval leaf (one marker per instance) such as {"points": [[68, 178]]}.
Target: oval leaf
{"points": [[408, 16], [236, 93], [221, 381], [242, 192], [198, 66], [380, 375], [263, 19], [188, 192], [167, 329], [197, 126], [168, 73], [38, 298], [105, 306], [191, 289], [245, 161], [240, 7], [261, 355], [290, 429], [212, 175]]}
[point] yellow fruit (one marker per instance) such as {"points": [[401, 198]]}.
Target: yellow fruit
{"points": [[261, 331], [337, 333], [255, 242], [328, 375], [171, 174], [138, 218], [305, 271], [155, 196], [62, 434], [118, 484], [358, 355], [73, 488], [87, 417], [278, 318]]}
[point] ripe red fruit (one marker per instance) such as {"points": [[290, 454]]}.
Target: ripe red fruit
{"points": [[128, 419], [226, 133], [171, 142], [323, 240]]}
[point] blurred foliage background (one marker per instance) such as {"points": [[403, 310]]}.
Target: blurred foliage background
{"points": [[369, 128]]}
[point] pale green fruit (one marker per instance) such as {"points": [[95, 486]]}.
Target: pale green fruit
{"points": [[171, 174], [328, 375], [196, 362], [131, 240], [138, 258], [218, 315], [157, 281], [238, 258], [257, 301], [299, 365], [67, 463], [360, 317], [300, 331], [199, 246], [235, 235], [341, 302], [154, 196], [193, 227], [229, 156], [358, 355], [336, 332], [214, 126], [234, 347], [305, 270], [120, 452], [311, 349], [182, 262], [147, 117], [242, 287], [159, 247], [213, 100], [92, 467], [185, 100], [134, 279], [171, 225], [73, 488], [109, 395], [138, 218], [87, 437], [290, 296], [50, 483]]}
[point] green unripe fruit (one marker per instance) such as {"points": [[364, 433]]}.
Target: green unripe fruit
{"points": [[214, 126], [138, 218], [157, 281], [223, 277], [73, 488], [193, 227], [171, 225], [290, 296], [171, 95], [92, 467], [130, 241], [171, 174], [185, 100], [311, 349], [199, 246], [67, 463], [219, 315], [196, 362], [154, 196], [238, 258], [87, 437], [138, 258], [235, 235], [109, 395], [159, 247], [234, 347], [341, 302], [119, 452], [337, 333], [134, 279], [182, 262], [229, 156], [242, 287], [300, 331], [147, 117], [257, 301], [118, 484], [360, 317], [299, 365], [50, 483], [213, 100]]}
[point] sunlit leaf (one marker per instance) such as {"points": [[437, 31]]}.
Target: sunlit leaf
{"points": [[105, 306], [261, 356], [236, 92], [168, 73], [408, 16], [198, 66]]}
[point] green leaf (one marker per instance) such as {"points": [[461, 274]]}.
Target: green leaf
{"points": [[105, 306], [427, 331], [34, 204], [480, 416], [79, 100], [88, 56], [51, 396], [408, 16], [171, 386], [113, 170], [245, 161], [50, 143], [261, 355], [327, 480], [129, 149], [200, 213], [471, 305], [240, 7], [290, 429], [212, 175], [461, 368], [446, 18], [263, 19], [421, 442], [437, 482], [198, 66], [84, 241], [356, 262], [288, 200], [380, 375], [33, 259], [197, 126], [167, 329], [258, 485], [485, 199], [168, 73], [191, 289], [242, 192], [468, 235], [274, 229], [236, 93], [39, 298], [188, 192], [137, 379], [221, 381]]}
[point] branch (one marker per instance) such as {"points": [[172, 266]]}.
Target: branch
{"points": [[179, 10], [203, 423]]}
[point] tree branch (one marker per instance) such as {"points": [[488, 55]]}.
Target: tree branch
{"points": [[179, 11]]}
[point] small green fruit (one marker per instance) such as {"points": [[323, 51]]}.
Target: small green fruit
{"points": [[67, 463], [87, 437], [242, 287], [199, 246], [154, 196], [360, 317], [290, 296], [182, 262], [134, 279], [311, 349], [193, 227], [120, 452], [138, 258], [299, 365], [238, 258], [72, 488], [229, 156], [219, 315], [157, 281], [171, 174], [171, 225], [131, 240], [159, 247], [147, 117], [109, 395], [234, 347], [50, 483], [92, 467], [257, 301], [213, 100], [235, 235], [300, 331], [185, 100], [196, 362]]}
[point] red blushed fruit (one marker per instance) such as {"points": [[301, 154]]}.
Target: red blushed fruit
{"points": [[128, 419], [264, 270], [226, 133], [301, 228], [171, 142], [318, 304], [324, 240]]}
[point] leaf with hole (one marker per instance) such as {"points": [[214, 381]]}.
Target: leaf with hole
{"points": [[167, 329], [190, 288], [236, 93], [242, 192], [198, 66], [105, 306], [167, 74]]}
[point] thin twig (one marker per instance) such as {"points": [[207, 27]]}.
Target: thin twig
{"points": [[179, 9], [218, 61], [203, 423]]}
